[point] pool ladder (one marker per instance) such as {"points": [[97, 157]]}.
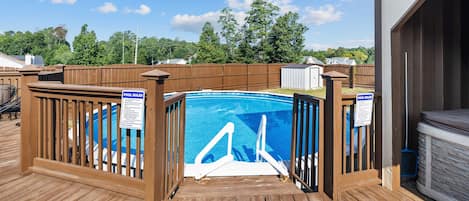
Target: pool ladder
{"points": [[228, 129], [261, 154]]}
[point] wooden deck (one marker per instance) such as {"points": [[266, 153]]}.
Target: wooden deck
{"points": [[13, 186]]}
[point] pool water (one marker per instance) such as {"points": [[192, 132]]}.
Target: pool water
{"points": [[208, 112]]}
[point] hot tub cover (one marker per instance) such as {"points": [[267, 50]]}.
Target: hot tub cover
{"points": [[456, 121]]}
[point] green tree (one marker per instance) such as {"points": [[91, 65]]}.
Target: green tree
{"points": [[209, 48], [359, 56], [286, 39], [62, 55], [259, 23], [118, 42], [230, 32], [245, 51], [85, 46]]}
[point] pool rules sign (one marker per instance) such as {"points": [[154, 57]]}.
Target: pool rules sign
{"points": [[363, 109], [133, 108]]}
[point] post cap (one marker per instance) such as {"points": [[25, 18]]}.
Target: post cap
{"points": [[30, 70], [334, 75], [155, 75]]}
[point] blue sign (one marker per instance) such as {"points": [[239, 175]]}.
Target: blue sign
{"points": [[133, 94]]}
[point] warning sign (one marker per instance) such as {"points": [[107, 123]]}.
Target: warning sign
{"points": [[363, 109], [133, 109]]}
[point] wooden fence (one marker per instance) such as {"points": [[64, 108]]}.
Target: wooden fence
{"points": [[207, 76], [183, 77], [328, 153], [60, 124], [358, 76]]}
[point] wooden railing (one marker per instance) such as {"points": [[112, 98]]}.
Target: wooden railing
{"points": [[361, 158], [344, 155], [73, 132], [10, 89], [175, 116], [307, 156], [344, 169], [66, 116]]}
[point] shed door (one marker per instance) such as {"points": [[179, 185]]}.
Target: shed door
{"points": [[314, 77]]}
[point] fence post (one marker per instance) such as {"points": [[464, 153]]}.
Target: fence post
{"points": [[352, 77], [155, 139], [28, 119], [333, 132]]}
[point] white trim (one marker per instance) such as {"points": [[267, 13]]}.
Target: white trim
{"points": [[443, 134], [234, 91], [433, 194]]}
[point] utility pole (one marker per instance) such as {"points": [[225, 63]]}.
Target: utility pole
{"points": [[136, 48], [123, 49]]}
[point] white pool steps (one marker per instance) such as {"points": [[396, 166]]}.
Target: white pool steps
{"points": [[226, 166]]}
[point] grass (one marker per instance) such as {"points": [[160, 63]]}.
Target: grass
{"points": [[318, 92]]}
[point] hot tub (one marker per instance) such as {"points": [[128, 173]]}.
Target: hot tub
{"points": [[444, 154]]}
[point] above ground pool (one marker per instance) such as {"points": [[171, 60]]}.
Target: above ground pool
{"points": [[208, 112]]}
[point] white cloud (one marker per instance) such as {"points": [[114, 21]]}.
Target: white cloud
{"points": [[142, 10], [239, 4], [107, 7], [323, 15], [194, 23], [70, 2], [284, 5]]}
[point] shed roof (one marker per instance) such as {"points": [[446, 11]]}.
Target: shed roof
{"points": [[298, 66]]}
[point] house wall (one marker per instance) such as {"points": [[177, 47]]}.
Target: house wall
{"points": [[433, 45], [431, 34], [391, 12], [8, 63]]}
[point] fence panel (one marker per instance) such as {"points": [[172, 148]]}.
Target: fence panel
{"points": [[365, 76], [183, 77]]}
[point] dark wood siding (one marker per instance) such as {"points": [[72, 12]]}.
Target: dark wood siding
{"points": [[438, 69]]}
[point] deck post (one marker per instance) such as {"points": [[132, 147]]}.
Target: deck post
{"points": [[352, 77], [28, 148], [333, 132], [155, 138]]}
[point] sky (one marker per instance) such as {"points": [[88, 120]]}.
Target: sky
{"points": [[331, 23]]}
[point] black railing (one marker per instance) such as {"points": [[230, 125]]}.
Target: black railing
{"points": [[307, 141]]}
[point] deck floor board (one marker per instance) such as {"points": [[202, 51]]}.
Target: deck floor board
{"points": [[13, 186]]}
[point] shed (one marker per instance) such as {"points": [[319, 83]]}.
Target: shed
{"points": [[302, 76]]}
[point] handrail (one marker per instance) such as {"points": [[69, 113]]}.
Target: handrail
{"points": [[260, 148], [228, 129], [261, 136]]}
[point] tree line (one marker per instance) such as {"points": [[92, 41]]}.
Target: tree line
{"points": [[264, 37]]}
